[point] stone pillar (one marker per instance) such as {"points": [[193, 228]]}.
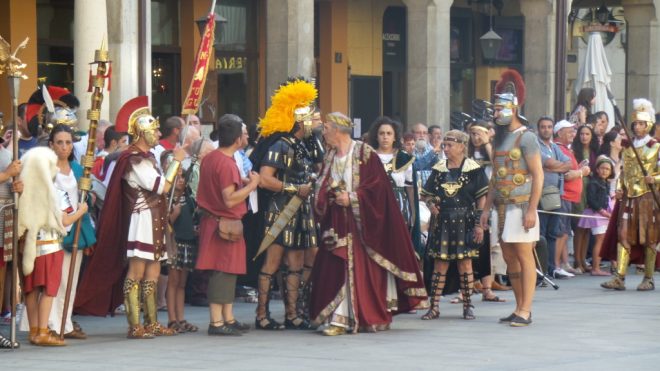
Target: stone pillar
{"points": [[123, 47], [89, 29], [17, 22], [333, 56], [643, 52], [539, 46], [289, 41], [428, 72]]}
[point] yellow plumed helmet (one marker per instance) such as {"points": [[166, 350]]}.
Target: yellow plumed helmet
{"points": [[284, 102]]}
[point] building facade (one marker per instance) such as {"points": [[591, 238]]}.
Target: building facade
{"points": [[414, 60]]}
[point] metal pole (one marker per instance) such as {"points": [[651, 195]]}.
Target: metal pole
{"points": [[560, 60], [14, 89]]}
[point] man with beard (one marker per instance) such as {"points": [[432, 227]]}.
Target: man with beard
{"points": [[555, 164], [515, 192]]}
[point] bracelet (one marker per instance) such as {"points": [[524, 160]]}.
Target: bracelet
{"points": [[172, 171], [289, 188]]}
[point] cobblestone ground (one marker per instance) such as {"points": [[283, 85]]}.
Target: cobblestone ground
{"points": [[578, 327]]}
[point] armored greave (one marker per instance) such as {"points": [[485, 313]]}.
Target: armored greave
{"points": [[467, 283], [623, 260], [264, 285], [132, 302], [649, 262], [293, 280], [150, 302]]}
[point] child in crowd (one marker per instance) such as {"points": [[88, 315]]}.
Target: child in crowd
{"points": [[598, 204]]}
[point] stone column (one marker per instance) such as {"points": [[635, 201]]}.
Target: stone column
{"points": [[539, 46], [89, 29], [289, 41], [643, 52], [123, 47], [428, 72]]}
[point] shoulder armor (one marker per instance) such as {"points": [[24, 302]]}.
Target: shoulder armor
{"points": [[402, 161], [441, 166], [470, 165]]}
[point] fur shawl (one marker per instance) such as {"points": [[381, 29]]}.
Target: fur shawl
{"points": [[38, 205]]}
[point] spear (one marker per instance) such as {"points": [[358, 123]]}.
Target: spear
{"points": [[13, 68], [85, 183]]}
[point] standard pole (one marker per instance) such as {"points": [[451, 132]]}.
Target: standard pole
{"points": [[14, 89], [85, 182]]}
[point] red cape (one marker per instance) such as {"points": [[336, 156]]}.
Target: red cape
{"points": [[609, 249], [380, 243], [100, 290]]}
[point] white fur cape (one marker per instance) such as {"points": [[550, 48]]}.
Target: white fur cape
{"points": [[38, 205]]}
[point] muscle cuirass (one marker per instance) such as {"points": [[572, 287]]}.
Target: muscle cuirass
{"points": [[510, 174], [632, 177], [293, 160]]}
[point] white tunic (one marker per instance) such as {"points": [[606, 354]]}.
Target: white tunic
{"points": [[143, 175]]}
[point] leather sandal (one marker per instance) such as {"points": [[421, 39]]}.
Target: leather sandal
{"points": [[296, 323], [187, 326], [267, 323], [488, 295], [176, 326], [157, 329], [46, 339]]}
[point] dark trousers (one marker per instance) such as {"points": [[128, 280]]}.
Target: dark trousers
{"points": [[549, 226]]}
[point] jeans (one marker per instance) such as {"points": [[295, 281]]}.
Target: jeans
{"points": [[549, 225]]}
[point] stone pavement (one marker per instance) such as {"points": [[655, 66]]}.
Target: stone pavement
{"points": [[578, 327]]}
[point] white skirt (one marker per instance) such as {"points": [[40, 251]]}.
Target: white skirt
{"points": [[513, 231]]}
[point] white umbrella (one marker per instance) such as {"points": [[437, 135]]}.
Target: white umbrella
{"points": [[595, 73]]}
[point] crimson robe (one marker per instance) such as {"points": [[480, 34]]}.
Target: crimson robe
{"points": [[100, 291], [363, 243]]}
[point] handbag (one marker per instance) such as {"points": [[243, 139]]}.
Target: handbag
{"points": [[550, 198], [230, 229]]}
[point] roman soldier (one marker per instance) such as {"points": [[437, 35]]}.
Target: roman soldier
{"points": [[639, 213], [286, 167], [132, 224], [515, 192], [49, 106]]}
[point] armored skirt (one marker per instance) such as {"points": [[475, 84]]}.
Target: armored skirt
{"points": [[455, 192]]}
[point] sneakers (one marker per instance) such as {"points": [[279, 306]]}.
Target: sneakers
{"points": [[560, 273]]}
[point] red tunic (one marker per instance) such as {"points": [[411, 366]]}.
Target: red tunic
{"points": [[380, 244], [217, 172], [47, 273]]}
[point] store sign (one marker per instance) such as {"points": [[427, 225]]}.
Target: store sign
{"points": [[394, 38], [230, 63]]}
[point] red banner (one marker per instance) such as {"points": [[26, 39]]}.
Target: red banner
{"points": [[191, 103]]}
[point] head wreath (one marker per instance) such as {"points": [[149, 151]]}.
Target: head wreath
{"points": [[281, 116]]}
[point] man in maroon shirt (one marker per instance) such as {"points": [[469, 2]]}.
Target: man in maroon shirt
{"points": [[221, 195]]}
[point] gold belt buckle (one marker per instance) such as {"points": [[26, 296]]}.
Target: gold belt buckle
{"points": [[518, 179], [515, 154]]}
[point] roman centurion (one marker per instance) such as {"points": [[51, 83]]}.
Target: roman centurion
{"points": [[639, 213], [132, 224]]}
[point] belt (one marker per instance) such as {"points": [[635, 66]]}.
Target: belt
{"points": [[45, 247]]}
